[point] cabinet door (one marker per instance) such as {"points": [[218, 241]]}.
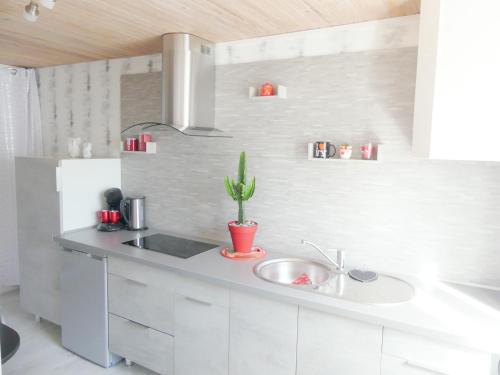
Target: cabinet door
{"points": [[40, 258], [331, 345], [398, 366], [39, 279], [416, 355], [201, 337], [263, 336]]}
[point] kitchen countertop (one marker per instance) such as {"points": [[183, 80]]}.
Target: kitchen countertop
{"points": [[459, 314]]}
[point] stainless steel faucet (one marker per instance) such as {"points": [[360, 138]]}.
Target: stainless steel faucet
{"points": [[339, 264]]}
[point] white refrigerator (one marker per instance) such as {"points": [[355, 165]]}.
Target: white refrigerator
{"points": [[54, 196]]}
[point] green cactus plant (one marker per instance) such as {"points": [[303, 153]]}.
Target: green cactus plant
{"points": [[239, 190]]}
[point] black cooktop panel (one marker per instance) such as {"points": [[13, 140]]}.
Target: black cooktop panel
{"points": [[178, 247]]}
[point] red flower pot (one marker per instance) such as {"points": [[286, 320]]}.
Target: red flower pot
{"points": [[242, 236]]}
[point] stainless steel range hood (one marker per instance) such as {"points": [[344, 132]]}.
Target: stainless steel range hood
{"points": [[188, 91]]}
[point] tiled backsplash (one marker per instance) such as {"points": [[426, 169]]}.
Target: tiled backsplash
{"points": [[400, 215]]}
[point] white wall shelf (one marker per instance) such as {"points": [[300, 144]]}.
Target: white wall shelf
{"points": [[150, 149], [281, 93], [137, 152], [310, 157]]}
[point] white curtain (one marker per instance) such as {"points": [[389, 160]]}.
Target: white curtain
{"points": [[20, 135]]}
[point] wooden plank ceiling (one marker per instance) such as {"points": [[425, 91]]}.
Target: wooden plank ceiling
{"points": [[82, 30]]}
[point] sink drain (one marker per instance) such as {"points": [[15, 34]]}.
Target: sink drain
{"points": [[363, 276]]}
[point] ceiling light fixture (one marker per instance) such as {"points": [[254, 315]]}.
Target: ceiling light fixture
{"points": [[49, 4], [31, 12]]}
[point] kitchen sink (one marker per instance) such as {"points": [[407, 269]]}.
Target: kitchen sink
{"points": [[318, 278], [293, 271]]}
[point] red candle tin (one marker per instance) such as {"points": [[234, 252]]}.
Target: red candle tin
{"points": [[143, 139], [267, 89], [131, 144]]}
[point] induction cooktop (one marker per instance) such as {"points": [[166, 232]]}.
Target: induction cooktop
{"points": [[176, 246]]}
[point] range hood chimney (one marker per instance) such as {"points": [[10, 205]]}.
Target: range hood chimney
{"points": [[188, 91]]}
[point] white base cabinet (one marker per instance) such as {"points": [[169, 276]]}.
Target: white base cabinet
{"points": [[201, 331], [405, 354], [178, 325], [141, 314], [330, 345], [141, 344], [263, 336]]}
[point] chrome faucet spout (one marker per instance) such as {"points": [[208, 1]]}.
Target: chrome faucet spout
{"points": [[339, 264]]}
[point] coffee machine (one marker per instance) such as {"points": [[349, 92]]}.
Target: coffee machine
{"points": [[113, 198]]}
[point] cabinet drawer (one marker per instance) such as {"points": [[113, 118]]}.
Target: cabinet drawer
{"points": [[140, 344], [398, 366], [421, 354], [203, 291], [141, 273], [143, 303]]}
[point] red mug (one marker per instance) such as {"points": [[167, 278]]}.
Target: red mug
{"points": [[114, 217], [367, 151], [104, 216]]}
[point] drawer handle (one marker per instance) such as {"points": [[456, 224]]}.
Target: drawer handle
{"points": [[199, 302], [137, 324], [135, 282], [425, 367], [131, 281]]}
